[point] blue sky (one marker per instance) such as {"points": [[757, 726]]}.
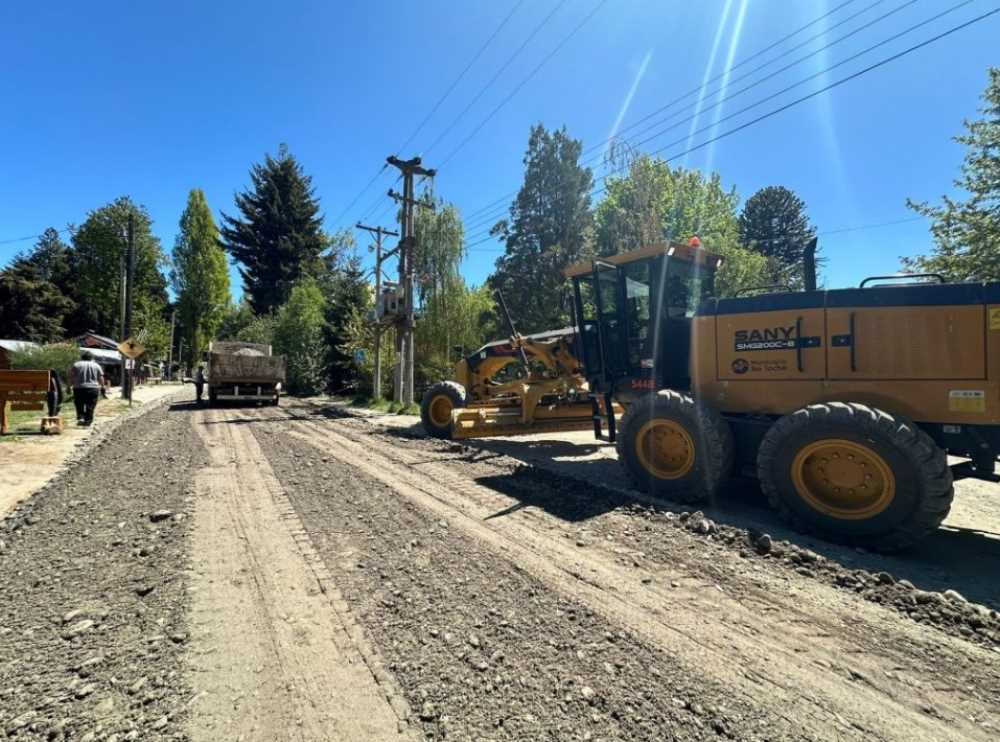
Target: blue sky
{"points": [[151, 99]]}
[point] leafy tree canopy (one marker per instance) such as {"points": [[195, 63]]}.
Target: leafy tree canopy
{"points": [[277, 237], [200, 274], [298, 335], [967, 232], [653, 202], [97, 259], [549, 228]]}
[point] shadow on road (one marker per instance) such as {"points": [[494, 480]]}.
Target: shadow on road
{"points": [[952, 558]]}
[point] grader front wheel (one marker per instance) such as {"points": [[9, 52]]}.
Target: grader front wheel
{"points": [[855, 474], [674, 447], [437, 405]]}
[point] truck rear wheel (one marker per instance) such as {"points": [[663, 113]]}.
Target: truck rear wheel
{"points": [[855, 474], [674, 447], [437, 405]]}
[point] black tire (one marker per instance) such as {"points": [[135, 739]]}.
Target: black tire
{"points": [[455, 393], [710, 435], [922, 486]]}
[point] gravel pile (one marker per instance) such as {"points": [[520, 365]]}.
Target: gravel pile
{"points": [[92, 599]]}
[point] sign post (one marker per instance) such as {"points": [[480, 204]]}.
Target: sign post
{"points": [[131, 349]]}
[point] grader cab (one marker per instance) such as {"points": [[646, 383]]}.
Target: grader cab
{"points": [[844, 403]]}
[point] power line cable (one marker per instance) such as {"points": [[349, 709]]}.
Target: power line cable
{"points": [[739, 64], [525, 81], [496, 76], [825, 233], [494, 213], [781, 92], [700, 89], [361, 193], [772, 75], [32, 236], [809, 96], [461, 75]]}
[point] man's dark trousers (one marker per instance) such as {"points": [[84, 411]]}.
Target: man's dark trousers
{"points": [[85, 400]]}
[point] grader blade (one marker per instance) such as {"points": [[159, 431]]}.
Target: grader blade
{"points": [[484, 421]]}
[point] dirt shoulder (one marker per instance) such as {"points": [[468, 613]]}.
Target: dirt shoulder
{"points": [[29, 459], [92, 602]]}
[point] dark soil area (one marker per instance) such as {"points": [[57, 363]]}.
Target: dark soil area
{"points": [[482, 650], [92, 595]]}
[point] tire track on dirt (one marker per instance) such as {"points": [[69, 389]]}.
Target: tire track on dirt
{"points": [[269, 652], [795, 664]]}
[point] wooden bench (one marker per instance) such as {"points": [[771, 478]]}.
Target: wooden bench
{"points": [[25, 390]]}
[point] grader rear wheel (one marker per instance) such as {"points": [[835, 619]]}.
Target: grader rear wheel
{"points": [[437, 405], [674, 447], [855, 474]]}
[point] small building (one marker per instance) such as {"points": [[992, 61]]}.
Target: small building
{"points": [[8, 347], [105, 352]]}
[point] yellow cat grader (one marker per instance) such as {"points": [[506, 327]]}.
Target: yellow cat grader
{"points": [[525, 384], [844, 403]]}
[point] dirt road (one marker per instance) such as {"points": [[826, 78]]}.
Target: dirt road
{"points": [[326, 576]]}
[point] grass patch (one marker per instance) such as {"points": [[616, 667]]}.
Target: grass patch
{"points": [[27, 421], [384, 405]]}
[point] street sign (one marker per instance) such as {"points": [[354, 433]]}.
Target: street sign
{"points": [[359, 356], [131, 348]]}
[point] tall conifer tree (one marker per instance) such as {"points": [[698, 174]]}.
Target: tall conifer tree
{"points": [[277, 238]]}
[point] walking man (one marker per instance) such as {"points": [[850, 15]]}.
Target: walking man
{"points": [[87, 380], [199, 380]]}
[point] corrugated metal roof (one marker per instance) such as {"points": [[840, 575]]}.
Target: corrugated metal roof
{"points": [[105, 356], [17, 345]]}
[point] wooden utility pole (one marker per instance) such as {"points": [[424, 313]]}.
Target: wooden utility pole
{"points": [[129, 286], [409, 168], [379, 232]]}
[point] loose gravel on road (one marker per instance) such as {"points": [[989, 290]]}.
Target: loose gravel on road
{"points": [[483, 650], [92, 598]]}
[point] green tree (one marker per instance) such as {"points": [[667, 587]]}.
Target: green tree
{"points": [[348, 299], [298, 335], [461, 316], [277, 238], [548, 229], [58, 356], [31, 308], [967, 232], [200, 274], [97, 261], [653, 203], [774, 223], [235, 318], [439, 248], [259, 330], [34, 303]]}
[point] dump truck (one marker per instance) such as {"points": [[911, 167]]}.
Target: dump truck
{"points": [[846, 404], [245, 372], [520, 385]]}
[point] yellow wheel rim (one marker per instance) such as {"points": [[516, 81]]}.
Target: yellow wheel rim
{"points": [[843, 479], [440, 410], [665, 449]]}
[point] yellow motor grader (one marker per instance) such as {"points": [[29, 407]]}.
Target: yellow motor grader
{"points": [[525, 384], [845, 403]]}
